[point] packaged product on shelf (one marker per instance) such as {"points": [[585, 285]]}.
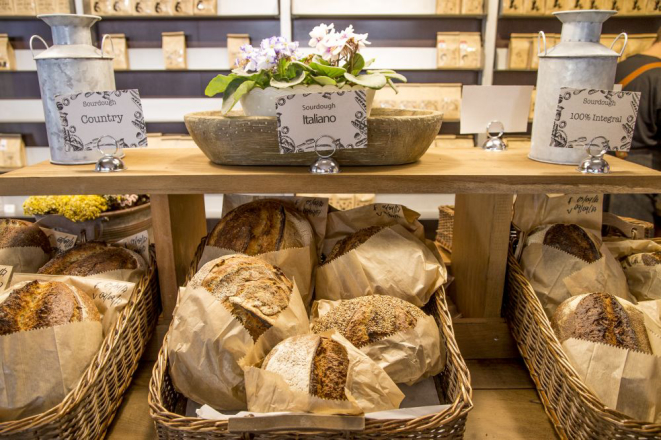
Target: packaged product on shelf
{"points": [[229, 317], [174, 50], [6, 7], [144, 7], [163, 7], [287, 232], [119, 50], [512, 7], [12, 147], [445, 98], [632, 7], [182, 7], [234, 43], [557, 5], [378, 249], [533, 7], [653, 7], [101, 7], [25, 8], [64, 7], [54, 7], [122, 8], [472, 7], [470, 50], [551, 40], [448, 7], [7, 62], [205, 7], [447, 49], [520, 51]]}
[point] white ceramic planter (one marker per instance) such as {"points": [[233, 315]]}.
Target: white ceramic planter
{"points": [[261, 102]]}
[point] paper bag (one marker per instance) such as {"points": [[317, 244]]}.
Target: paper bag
{"points": [[470, 50], [234, 44], [12, 147], [208, 347], [368, 389], [447, 50], [408, 356], [26, 259], [644, 281], [532, 210], [391, 262], [174, 50]]}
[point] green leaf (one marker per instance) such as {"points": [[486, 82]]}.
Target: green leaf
{"points": [[319, 60], [324, 80], [384, 71], [261, 79], [369, 63], [358, 64], [398, 76], [372, 81], [392, 86], [329, 71], [302, 66], [218, 85], [283, 64], [284, 84], [234, 92]]}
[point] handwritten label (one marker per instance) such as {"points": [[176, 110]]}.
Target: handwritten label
{"points": [[5, 276], [392, 211], [583, 204], [331, 120], [585, 114], [138, 243], [110, 293], [87, 117], [311, 207], [60, 240]]}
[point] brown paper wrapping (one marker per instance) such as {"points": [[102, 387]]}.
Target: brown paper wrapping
{"points": [[644, 281], [391, 262], [208, 348], [368, 389], [407, 356], [26, 259], [556, 275], [532, 210]]}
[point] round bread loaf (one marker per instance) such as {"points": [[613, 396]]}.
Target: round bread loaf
{"points": [[574, 240], [368, 319], [642, 259], [254, 291], [261, 226], [92, 258], [352, 241], [602, 318], [36, 304], [20, 233], [312, 364]]}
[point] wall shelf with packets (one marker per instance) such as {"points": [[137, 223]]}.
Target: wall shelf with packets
{"points": [[181, 8], [541, 8], [391, 8], [32, 8]]}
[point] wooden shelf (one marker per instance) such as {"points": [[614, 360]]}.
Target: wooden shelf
{"points": [[441, 171]]}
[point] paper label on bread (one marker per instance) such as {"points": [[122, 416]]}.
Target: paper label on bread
{"points": [[40, 367], [368, 388], [533, 210], [6, 273], [391, 262], [60, 240], [26, 259], [138, 243], [406, 356], [208, 347]]}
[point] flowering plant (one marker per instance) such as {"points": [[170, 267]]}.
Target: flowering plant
{"points": [[335, 61]]}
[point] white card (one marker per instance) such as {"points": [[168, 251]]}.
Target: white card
{"points": [[90, 116], [330, 118], [509, 105], [137, 243], [586, 114], [5, 276], [60, 240]]}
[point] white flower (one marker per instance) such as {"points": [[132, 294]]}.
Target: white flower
{"points": [[319, 32]]}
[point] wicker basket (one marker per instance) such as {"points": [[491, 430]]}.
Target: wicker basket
{"points": [[575, 411], [86, 412], [166, 405], [445, 226]]}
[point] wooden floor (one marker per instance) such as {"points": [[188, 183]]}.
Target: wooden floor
{"points": [[506, 405]]}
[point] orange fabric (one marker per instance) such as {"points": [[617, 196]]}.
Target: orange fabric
{"points": [[639, 71]]}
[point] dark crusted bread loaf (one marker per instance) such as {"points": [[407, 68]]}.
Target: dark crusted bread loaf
{"points": [[367, 319], [254, 291], [574, 240], [261, 226], [600, 317], [19, 233], [92, 258], [37, 304], [642, 259], [352, 241], [313, 364]]}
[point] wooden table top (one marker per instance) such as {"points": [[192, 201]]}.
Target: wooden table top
{"points": [[442, 170]]}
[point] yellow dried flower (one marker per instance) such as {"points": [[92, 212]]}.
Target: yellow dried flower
{"points": [[41, 205], [75, 208]]}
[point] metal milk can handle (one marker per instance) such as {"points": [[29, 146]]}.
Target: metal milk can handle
{"points": [[103, 43], [626, 39], [32, 39], [541, 35]]}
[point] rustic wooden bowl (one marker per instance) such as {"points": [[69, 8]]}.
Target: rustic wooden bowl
{"points": [[394, 137]]}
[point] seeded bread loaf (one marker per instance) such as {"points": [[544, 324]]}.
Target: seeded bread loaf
{"points": [[312, 364], [92, 258], [648, 259], [37, 304], [574, 240], [254, 291], [261, 226], [600, 317], [352, 241], [20, 233], [368, 319]]}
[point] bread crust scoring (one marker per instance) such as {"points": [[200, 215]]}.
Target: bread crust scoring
{"points": [[92, 258]]}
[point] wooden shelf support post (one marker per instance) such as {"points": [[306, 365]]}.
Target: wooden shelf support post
{"points": [[179, 223], [479, 252]]}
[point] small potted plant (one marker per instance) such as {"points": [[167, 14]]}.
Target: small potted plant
{"points": [[277, 68]]}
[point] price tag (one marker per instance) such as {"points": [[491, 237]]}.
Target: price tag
{"points": [[86, 117], [584, 114], [304, 118], [138, 243], [60, 240], [5, 276]]}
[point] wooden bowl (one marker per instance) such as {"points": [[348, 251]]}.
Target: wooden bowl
{"points": [[394, 137]]}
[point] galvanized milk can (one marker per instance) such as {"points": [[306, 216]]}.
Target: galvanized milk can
{"points": [[71, 65], [578, 61]]}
